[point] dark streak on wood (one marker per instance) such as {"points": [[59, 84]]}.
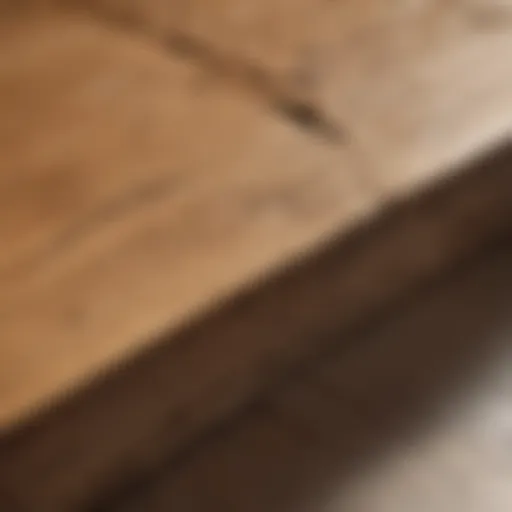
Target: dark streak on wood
{"points": [[309, 117]]}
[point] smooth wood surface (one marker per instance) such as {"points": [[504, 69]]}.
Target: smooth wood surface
{"points": [[136, 195], [136, 198], [398, 78], [149, 176]]}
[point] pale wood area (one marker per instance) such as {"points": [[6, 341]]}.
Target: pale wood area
{"points": [[157, 159], [397, 78], [136, 198], [139, 191]]}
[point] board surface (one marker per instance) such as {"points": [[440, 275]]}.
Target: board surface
{"points": [[158, 162]]}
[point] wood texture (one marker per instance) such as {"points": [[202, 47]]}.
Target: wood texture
{"points": [[135, 200], [125, 170], [150, 175], [398, 80], [140, 202]]}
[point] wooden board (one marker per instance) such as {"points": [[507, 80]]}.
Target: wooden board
{"points": [[148, 179], [132, 186], [397, 80]]}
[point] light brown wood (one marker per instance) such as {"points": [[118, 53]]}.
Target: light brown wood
{"points": [[135, 199], [399, 79], [124, 182], [149, 175]]}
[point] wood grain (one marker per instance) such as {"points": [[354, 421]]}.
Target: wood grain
{"points": [[150, 176], [400, 79], [125, 192], [136, 200]]}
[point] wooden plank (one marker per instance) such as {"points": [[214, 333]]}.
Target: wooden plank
{"points": [[145, 189], [142, 191], [354, 62]]}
